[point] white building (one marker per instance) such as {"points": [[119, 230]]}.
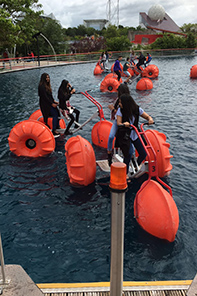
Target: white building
{"points": [[97, 24]]}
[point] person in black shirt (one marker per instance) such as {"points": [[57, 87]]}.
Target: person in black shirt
{"points": [[64, 93], [141, 61], [47, 103]]}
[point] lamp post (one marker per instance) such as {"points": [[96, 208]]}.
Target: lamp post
{"points": [[36, 36], [118, 187]]}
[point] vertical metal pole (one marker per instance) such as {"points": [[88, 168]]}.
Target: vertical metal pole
{"points": [[38, 51], [117, 227], [117, 243], [2, 261]]}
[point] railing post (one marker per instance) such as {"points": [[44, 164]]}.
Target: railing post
{"points": [[118, 187], [2, 262]]}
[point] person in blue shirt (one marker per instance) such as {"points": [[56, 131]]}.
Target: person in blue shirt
{"points": [[148, 59], [117, 67], [128, 113]]}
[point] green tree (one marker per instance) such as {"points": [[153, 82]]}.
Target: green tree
{"points": [[169, 41], [17, 21], [118, 43], [187, 28], [190, 40], [110, 32]]}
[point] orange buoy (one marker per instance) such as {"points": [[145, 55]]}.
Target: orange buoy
{"points": [[131, 71], [156, 211], [193, 71], [161, 148], [110, 83], [98, 70], [31, 138], [37, 115], [151, 71], [100, 133], [80, 160], [144, 84]]}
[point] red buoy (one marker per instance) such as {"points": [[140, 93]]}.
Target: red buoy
{"points": [[193, 71], [31, 138], [98, 70], [156, 211], [100, 133], [110, 83], [144, 84], [151, 71], [37, 115], [80, 160], [161, 148]]}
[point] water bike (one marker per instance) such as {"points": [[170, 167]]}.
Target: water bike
{"points": [[152, 141]]}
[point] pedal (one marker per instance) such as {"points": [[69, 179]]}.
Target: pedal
{"points": [[104, 166], [60, 130]]}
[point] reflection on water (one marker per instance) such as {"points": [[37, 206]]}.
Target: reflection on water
{"points": [[48, 225]]}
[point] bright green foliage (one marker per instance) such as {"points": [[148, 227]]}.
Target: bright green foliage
{"points": [[191, 41], [118, 43], [169, 41], [187, 28], [17, 21]]}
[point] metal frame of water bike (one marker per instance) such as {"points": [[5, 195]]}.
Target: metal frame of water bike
{"points": [[99, 113]]}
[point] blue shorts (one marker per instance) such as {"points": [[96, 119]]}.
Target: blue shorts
{"points": [[127, 73]]}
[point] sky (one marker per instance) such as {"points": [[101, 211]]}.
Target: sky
{"points": [[72, 13]]}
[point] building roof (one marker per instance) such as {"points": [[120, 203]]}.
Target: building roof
{"points": [[166, 25]]}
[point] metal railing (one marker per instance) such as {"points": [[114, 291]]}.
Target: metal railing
{"points": [[50, 60]]}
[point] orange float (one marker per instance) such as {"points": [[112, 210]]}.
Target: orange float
{"points": [[98, 70], [144, 84], [31, 138], [193, 71], [80, 160], [151, 71], [161, 148], [131, 71], [37, 115], [110, 83], [100, 133], [156, 211]]}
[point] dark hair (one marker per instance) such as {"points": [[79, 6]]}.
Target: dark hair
{"points": [[63, 86], [129, 108], [44, 82], [122, 89]]}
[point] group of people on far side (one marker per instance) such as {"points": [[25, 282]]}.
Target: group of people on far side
{"points": [[49, 107], [130, 63]]}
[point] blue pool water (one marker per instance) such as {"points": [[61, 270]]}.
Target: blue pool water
{"points": [[59, 233]]}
